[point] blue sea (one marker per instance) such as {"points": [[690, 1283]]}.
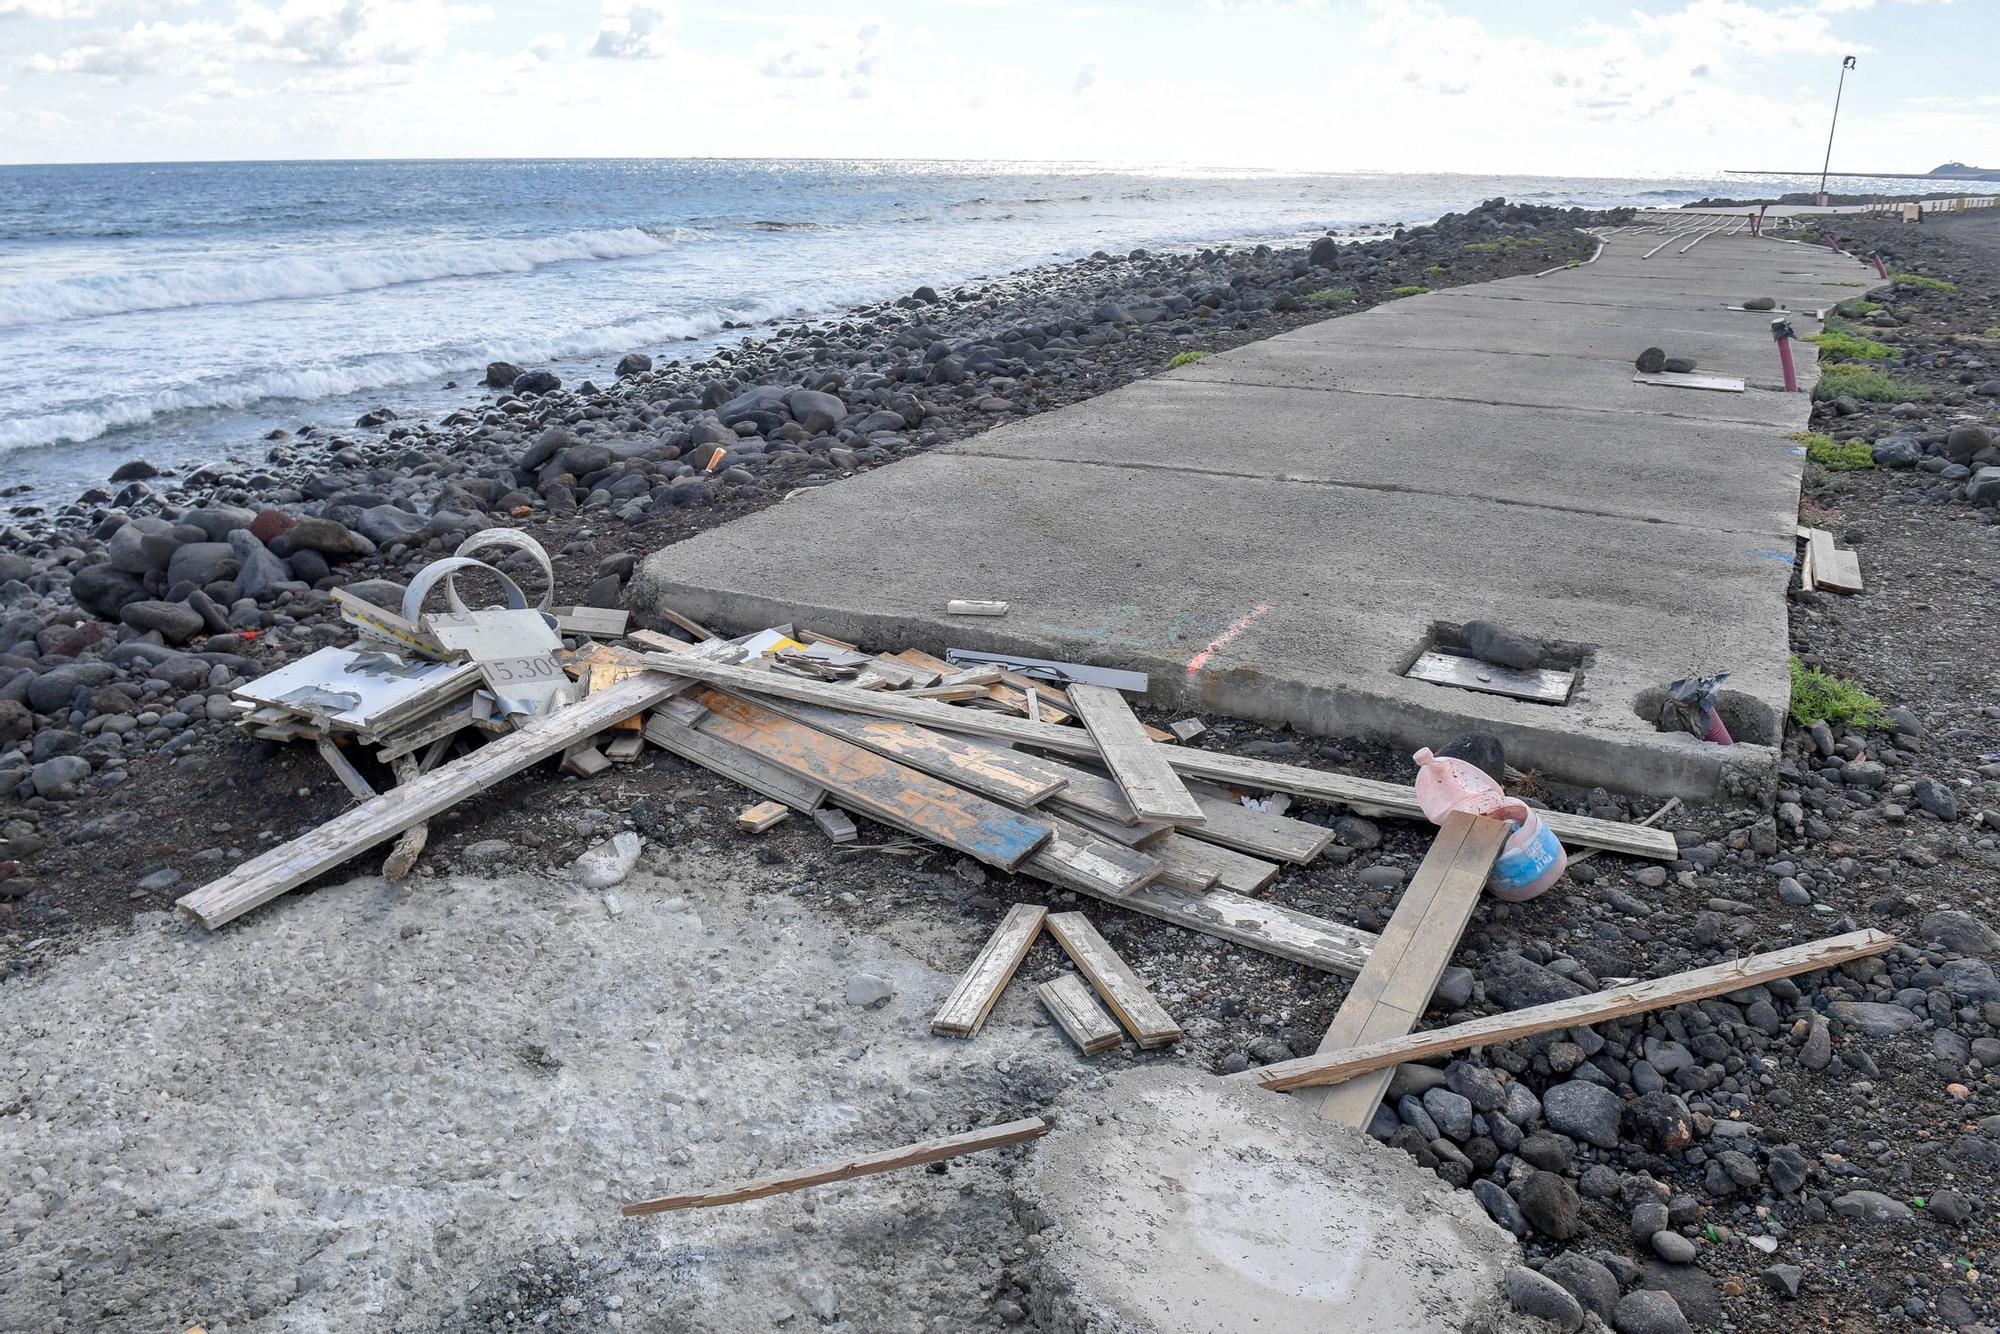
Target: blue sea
{"points": [[177, 312]]}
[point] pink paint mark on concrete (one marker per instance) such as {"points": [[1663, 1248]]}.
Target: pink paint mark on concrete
{"points": [[1236, 627]]}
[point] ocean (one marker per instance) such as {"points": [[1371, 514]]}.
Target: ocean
{"points": [[178, 312]]}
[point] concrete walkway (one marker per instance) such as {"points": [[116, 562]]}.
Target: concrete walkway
{"points": [[1277, 531]]}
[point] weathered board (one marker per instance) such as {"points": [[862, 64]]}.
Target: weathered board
{"points": [[1391, 993], [1599, 1007], [1260, 833], [1536, 684], [1141, 770], [1018, 780], [1070, 1003], [1368, 796], [1233, 870], [1122, 989], [878, 787], [912, 1155], [964, 1011], [1076, 858], [347, 835], [733, 762], [1723, 384]]}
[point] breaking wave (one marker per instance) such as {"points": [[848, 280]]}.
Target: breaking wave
{"points": [[88, 421], [298, 277]]}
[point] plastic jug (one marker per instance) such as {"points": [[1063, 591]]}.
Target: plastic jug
{"points": [[1532, 858]]}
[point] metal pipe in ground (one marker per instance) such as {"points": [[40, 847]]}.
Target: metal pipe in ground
{"points": [[1781, 332]]}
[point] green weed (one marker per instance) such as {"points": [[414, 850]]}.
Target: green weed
{"points": [[1327, 296], [1840, 343], [1855, 307], [1820, 697], [1408, 291], [1917, 280], [1185, 359], [1865, 382], [1835, 455]]}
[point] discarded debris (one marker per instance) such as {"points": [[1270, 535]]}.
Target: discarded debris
{"points": [[973, 607], [756, 819], [964, 1011], [914, 1155], [608, 863], [1689, 707]]}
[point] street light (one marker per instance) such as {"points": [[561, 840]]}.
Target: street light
{"points": [[1846, 64]]}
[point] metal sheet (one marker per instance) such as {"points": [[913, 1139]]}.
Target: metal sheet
{"points": [[343, 687], [1449, 669], [493, 634]]}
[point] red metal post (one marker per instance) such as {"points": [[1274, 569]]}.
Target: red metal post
{"points": [[1880, 272], [1781, 330], [1831, 244]]}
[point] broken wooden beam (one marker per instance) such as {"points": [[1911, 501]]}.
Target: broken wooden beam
{"points": [[1230, 869], [1599, 1007], [1260, 833], [677, 736], [1390, 995], [911, 1155], [1122, 989], [1367, 796], [289, 865], [1135, 761], [964, 1011]]}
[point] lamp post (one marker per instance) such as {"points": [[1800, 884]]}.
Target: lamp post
{"points": [[1846, 64]]}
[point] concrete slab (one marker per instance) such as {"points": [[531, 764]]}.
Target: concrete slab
{"points": [[1168, 1202], [1278, 531], [1651, 469], [1306, 359]]}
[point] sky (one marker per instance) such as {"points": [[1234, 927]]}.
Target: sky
{"points": [[1569, 87]]}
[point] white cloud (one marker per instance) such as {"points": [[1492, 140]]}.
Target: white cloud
{"points": [[635, 31]]}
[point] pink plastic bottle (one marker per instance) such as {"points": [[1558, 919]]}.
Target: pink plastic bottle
{"points": [[1533, 858]]}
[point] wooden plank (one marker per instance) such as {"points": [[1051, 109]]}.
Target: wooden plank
{"points": [[347, 835], [1537, 685], [1260, 833], [343, 768], [913, 1155], [1188, 877], [1075, 858], [1367, 796], [1126, 835], [1724, 384], [1256, 924], [1391, 994], [1018, 780], [1122, 989], [1233, 870], [1142, 773], [877, 787], [836, 824], [1831, 567], [693, 627], [1077, 1013], [678, 737], [756, 819], [964, 1012], [1014, 692], [1600, 1007], [584, 760], [1090, 792], [975, 607], [596, 622]]}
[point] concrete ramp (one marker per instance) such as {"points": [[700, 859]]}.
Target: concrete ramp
{"points": [[1167, 1201], [1279, 531]]}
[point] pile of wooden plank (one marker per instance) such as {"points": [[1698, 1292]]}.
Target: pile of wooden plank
{"points": [[1060, 784]]}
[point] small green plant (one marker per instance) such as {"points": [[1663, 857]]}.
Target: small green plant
{"points": [[1327, 296], [1917, 280], [1506, 245], [1839, 342], [1408, 291], [1865, 382], [1855, 307], [1434, 268], [1185, 359], [1836, 455], [1820, 697]]}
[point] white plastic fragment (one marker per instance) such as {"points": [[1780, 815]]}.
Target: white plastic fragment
{"points": [[609, 863]]}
